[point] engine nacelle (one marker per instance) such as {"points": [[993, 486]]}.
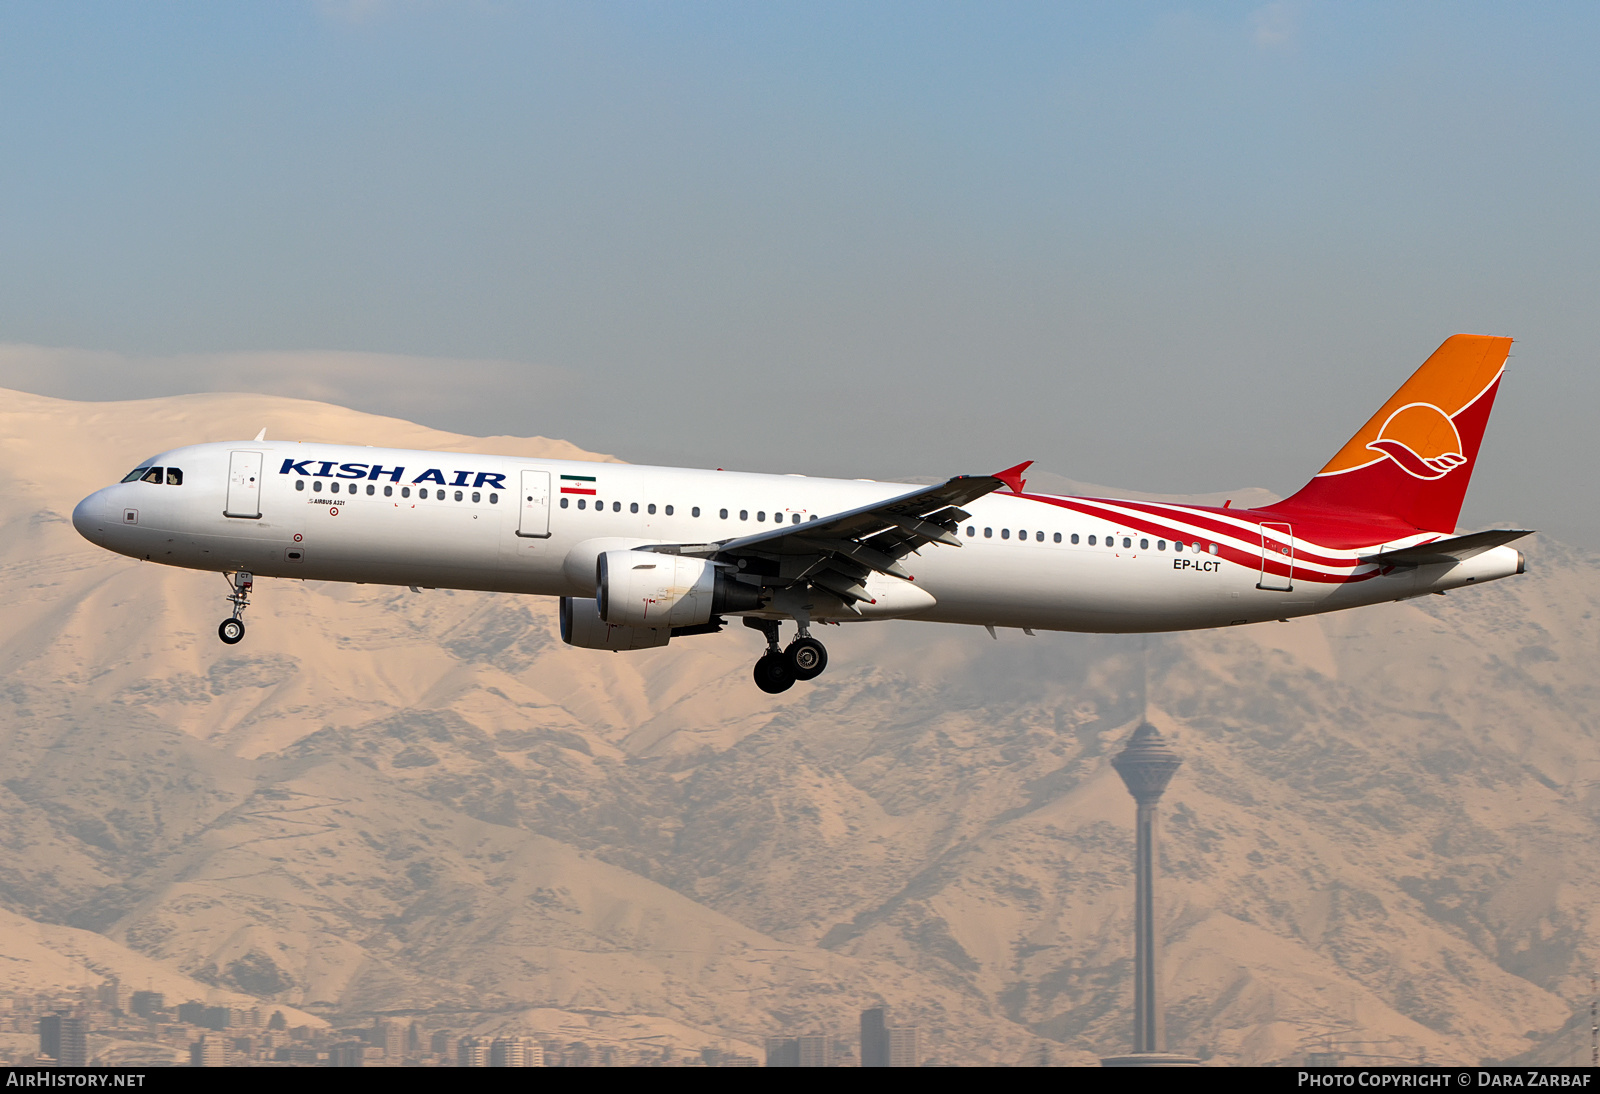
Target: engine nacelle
{"points": [[647, 589], [582, 626]]}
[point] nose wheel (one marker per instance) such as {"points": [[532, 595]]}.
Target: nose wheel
{"points": [[231, 630]]}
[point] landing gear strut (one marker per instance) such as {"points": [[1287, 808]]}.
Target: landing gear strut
{"points": [[779, 668], [231, 629]]}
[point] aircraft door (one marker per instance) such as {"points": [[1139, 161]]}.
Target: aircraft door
{"points": [[244, 485], [533, 504], [1277, 549]]}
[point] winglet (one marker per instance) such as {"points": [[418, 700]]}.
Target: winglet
{"points": [[1012, 476], [262, 435]]}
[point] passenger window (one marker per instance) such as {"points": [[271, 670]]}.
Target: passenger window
{"points": [[135, 475], [971, 531], [1058, 537], [1213, 548], [494, 499], [761, 516], [564, 502], [794, 518], [1177, 546], [744, 514], [988, 533], [439, 494], [1038, 537], [651, 509], [174, 477], [695, 512], [813, 517], [316, 486], [405, 491], [299, 484], [581, 502], [1074, 537], [1126, 542], [1161, 545], [1091, 541], [1144, 545], [153, 475], [616, 507], [1005, 533], [476, 497], [371, 490], [388, 491], [724, 514], [458, 495], [333, 488], [668, 510], [633, 507]]}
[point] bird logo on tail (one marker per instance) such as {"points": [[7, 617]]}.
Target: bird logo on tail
{"points": [[1422, 440]]}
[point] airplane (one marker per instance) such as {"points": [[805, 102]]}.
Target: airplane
{"points": [[641, 555]]}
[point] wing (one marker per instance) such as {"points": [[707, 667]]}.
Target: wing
{"points": [[1454, 549], [838, 552]]}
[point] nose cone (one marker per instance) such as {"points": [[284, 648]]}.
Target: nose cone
{"points": [[89, 518]]}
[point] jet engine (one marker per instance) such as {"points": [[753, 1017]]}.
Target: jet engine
{"points": [[647, 589], [582, 626]]}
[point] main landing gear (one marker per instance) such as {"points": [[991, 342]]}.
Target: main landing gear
{"points": [[231, 630], [778, 669]]}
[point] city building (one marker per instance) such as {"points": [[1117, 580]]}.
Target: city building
{"points": [[883, 1045], [515, 1052], [903, 1046], [147, 1004], [348, 1054], [65, 1037], [211, 1050]]}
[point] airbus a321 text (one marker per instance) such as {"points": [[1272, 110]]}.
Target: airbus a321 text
{"points": [[643, 555]]}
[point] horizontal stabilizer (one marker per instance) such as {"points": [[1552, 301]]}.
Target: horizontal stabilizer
{"points": [[1455, 549]]}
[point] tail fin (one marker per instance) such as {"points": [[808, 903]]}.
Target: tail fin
{"points": [[1411, 462]]}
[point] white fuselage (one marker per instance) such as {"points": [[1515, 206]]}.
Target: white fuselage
{"points": [[449, 520]]}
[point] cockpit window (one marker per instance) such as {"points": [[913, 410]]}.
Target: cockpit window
{"points": [[135, 475], [174, 476], [153, 475]]}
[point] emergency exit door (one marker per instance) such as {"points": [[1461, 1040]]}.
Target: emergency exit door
{"points": [[533, 504], [244, 485]]}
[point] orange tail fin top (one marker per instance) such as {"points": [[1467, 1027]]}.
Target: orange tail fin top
{"points": [[1410, 464]]}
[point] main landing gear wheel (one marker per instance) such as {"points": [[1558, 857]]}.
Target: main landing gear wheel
{"points": [[774, 673], [231, 630], [807, 658]]}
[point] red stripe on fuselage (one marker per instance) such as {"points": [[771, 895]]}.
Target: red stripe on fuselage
{"points": [[1095, 507]]}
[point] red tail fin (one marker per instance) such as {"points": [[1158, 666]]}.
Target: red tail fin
{"points": [[1411, 462]]}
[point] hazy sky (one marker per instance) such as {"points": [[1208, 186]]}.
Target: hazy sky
{"points": [[1169, 247]]}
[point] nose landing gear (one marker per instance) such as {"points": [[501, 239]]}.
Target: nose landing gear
{"points": [[779, 668], [231, 630]]}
